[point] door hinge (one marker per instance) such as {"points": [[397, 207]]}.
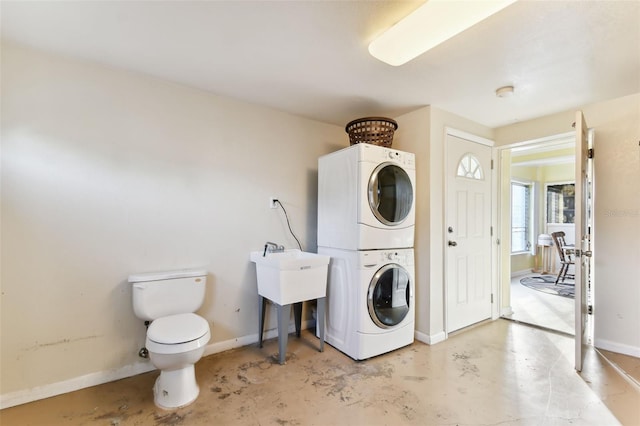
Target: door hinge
{"points": [[491, 297], [590, 153], [491, 164], [491, 231], [590, 310]]}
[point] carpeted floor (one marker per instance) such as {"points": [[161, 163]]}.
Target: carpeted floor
{"points": [[546, 284]]}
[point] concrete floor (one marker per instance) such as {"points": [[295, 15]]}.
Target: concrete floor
{"points": [[499, 372]]}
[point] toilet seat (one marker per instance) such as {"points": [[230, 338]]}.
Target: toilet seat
{"points": [[177, 333]]}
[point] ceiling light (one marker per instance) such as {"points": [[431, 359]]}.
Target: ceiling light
{"points": [[505, 91], [431, 24]]}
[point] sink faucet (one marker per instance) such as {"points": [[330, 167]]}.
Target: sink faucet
{"points": [[270, 247]]}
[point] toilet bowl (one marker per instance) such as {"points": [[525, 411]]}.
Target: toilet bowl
{"points": [[175, 343], [176, 337]]}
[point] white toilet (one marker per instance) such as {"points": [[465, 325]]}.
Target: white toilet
{"points": [[176, 337]]}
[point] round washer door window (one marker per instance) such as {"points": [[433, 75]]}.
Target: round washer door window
{"points": [[389, 295], [390, 194]]}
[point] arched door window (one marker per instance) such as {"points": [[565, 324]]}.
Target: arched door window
{"points": [[469, 167]]}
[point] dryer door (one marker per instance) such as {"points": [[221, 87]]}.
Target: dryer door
{"points": [[390, 194], [388, 296]]}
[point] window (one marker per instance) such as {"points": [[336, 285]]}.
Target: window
{"points": [[521, 217], [560, 203], [470, 167]]}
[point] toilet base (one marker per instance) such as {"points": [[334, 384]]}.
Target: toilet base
{"points": [[176, 388]]}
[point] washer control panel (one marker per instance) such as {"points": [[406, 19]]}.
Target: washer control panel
{"points": [[376, 258]]}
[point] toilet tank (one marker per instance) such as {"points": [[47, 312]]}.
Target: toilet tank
{"points": [[160, 294]]}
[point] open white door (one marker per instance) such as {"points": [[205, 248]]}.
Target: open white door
{"points": [[583, 237]]}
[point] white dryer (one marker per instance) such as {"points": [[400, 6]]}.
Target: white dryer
{"points": [[366, 198], [370, 301]]}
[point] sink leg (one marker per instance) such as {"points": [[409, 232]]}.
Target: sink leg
{"points": [[320, 320], [284, 313], [262, 305], [297, 313]]}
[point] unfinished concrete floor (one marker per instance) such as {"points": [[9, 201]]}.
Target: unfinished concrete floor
{"points": [[496, 373]]}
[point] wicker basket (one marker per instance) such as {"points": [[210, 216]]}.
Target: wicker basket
{"points": [[373, 130]]}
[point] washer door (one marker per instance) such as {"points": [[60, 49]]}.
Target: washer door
{"points": [[388, 296], [390, 194]]}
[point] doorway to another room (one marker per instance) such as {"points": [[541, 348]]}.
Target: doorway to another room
{"points": [[537, 204]]}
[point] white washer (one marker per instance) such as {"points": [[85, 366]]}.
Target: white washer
{"points": [[370, 301], [366, 198]]}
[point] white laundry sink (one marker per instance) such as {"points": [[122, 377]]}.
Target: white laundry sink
{"points": [[291, 276]]}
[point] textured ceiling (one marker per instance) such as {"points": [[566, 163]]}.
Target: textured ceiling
{"points": [[310, 57]]}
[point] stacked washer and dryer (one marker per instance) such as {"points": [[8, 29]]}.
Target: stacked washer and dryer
{"points": [[366, 221]]}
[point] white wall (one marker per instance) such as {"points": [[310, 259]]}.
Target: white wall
{"points": [[617, 212], [413, 136], [107, 173], [423, 132], [617, 223]]}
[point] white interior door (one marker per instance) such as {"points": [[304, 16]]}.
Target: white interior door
{"points": [[467, 232], [583, 237]]}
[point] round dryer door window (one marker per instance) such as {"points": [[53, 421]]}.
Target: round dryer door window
{"points": [[390, 194], [388, 296]]}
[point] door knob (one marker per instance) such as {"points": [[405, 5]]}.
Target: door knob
{"points": [[453, 243]]}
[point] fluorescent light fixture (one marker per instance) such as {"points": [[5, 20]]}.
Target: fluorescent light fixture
{"points": [[504, 92], [432, 23]]}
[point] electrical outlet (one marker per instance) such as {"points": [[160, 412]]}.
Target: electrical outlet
{"points": [[272, 203]]}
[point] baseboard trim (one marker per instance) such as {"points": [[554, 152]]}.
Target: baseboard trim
{"points": [[429, 339], [11, 399], [617, 347], [24, 396], [522, 273], [251, 339], [506, 311]]}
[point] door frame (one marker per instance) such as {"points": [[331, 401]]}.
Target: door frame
{"points": [[504, 284], [495, 306]]}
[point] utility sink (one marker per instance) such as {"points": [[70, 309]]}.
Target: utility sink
{"points": [[291, 276]]}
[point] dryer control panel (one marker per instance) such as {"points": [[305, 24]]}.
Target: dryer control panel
{"points": [[379, 154]]}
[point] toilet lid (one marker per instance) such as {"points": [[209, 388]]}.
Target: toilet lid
{"points": [[175, 329]]}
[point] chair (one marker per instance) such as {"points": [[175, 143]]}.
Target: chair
{"points": [[566, 255]]}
